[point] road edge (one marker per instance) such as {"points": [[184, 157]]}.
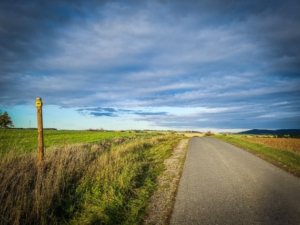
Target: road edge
{"points": [[264, 157], [163, 200]]}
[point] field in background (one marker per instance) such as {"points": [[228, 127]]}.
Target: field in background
{"points": [[192, 134], [26, 140], [290, 144], [281, 157], [87, 177]]}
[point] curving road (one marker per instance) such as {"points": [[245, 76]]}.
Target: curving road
{"points": [[223, 184]]}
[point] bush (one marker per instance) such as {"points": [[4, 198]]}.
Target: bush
{"points": [[208, 133]]}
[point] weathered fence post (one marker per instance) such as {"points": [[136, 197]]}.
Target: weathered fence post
{"points": [[39, 105]]}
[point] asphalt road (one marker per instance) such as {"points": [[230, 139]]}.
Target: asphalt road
{"points": [[223, 184]]}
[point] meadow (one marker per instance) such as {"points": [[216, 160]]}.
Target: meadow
{"points": [[24, 140], [281, 152], [87, 177]]}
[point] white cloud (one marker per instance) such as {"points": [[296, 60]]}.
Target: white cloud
{"points": [[227, 63]]}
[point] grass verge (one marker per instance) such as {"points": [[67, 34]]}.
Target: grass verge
{"points": [[162, 201], [90, 183], [289, 161]]}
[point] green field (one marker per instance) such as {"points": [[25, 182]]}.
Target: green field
{"points": [[26, 140], [285, 159], [86, 178]]}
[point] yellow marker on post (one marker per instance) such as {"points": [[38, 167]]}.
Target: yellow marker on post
{"points": [[39, 105], [38, 102]]}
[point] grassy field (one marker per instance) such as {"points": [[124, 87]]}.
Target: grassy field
{"points": [[272, 151], [26, 140], [87, 177]]}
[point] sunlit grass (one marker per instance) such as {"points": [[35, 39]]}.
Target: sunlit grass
{"points": [[26, 140], [105, 182], [285, 159]]}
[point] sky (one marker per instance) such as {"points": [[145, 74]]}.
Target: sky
{"points": [[162, 64]]}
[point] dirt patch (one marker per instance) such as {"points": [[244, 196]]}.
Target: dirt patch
{"points": [[163, 199]]}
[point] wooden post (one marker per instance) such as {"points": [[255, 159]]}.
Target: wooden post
{"points": [[39, 105]]}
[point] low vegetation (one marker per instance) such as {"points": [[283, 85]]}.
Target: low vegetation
{"points": [[108, 181], [275, 153], [208, 133], [290, 144], [163, 200], [24, 141]]}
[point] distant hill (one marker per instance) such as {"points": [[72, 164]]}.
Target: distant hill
{"points": [[291, 132]]}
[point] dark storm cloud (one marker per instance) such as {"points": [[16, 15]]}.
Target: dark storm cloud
{"points": [[27, 30]]}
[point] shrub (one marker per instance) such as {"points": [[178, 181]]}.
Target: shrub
{"points": [[208, 133]]}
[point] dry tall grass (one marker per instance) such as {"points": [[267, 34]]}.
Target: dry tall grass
{"points": [[32, 195], [105, 183]]}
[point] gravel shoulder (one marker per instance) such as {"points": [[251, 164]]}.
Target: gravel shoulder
{"points": [[162, 201]]}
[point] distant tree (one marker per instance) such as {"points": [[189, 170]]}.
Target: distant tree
{"points": [[5, 120]]}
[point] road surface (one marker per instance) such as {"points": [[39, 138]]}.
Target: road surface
{"points": [[223, 184]]}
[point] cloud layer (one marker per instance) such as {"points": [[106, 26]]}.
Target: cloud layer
{"points": [[237, 62]]}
